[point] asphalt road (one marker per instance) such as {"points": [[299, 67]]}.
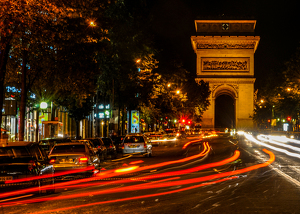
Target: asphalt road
{"points": [[215, 175]]}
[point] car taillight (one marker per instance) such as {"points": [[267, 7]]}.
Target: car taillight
{"points": [[31, 165], [122, 145], [99, 147], [145, 145], [52, 160], [83, 159]]}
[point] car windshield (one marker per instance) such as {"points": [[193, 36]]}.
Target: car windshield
{"points": [[106, 141], [134, 139], [95, 142], [68, 149], [17, 151]]}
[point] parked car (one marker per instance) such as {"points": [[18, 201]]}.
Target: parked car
{"points": [[89, 144], [136, 143], [111, 149], [118, 143], [98, 143], [21, 165], [48, 144], [72, 156]]}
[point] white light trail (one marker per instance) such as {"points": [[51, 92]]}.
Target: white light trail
{"points": [[266, 138], [252, 139]]}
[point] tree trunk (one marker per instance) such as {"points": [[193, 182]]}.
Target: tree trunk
{"points": [[97, 126], [23, 96], [3, 61], [37, 126]]}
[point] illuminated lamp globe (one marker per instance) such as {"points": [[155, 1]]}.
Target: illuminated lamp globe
{"points": [[43, 105]]}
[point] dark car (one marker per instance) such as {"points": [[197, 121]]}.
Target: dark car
{"points": [[75, 159], [111, 148], [48, 144], [118, 140], [98, 143], [22, 164]]}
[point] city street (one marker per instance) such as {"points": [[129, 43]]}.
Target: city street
{"points": [[195, 175]]}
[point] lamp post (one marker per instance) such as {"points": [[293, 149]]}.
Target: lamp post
{"points": [[43, 106]]}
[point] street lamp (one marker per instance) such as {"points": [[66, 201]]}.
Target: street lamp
{"points": [[92, 23], [43, 105]]}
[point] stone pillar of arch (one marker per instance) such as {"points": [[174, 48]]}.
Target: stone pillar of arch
{"points": [[225, 58]]}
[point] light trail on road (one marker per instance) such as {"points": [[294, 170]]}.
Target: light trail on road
{"points": [[252, 139], [220, 176], [106, 174], [173, 180]]}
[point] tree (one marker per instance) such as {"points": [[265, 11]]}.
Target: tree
{"points": [[21, 23]]}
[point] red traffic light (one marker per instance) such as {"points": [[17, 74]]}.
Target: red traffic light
{"points": [[289, 118]]}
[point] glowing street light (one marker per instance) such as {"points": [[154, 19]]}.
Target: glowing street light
{"points": [[138, 61], [43, 105], [92, 23], [178, 92]]}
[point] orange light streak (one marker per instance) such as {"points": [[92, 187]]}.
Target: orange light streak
{"points": [[136, 162], [126, 169], [191, 142]]}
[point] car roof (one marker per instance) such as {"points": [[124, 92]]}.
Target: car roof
{"points": [[70, 143], [135, 134], [17, 143]]}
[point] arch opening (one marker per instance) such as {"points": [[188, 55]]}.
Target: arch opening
{"points": [[225, 111]]}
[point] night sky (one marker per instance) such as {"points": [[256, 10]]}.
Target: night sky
{"points": [[277, 25]]}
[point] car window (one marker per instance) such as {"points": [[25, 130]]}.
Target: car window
{"points": [[6, 152], [106, 141], [134, 139], [35, 151], [21, 151], [68, 149], [97, 142]]}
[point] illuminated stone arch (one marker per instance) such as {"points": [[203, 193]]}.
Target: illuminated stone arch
{"points": [[225, 89], [225, 59]]}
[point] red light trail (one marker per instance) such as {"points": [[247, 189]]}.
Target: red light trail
{"points": [[172, 181]]}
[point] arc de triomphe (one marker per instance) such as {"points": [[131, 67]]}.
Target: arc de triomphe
{"points": [[225, 58]]}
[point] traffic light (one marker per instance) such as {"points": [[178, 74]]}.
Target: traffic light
{"points": [[289, 118], [189, 122], [183, 120]]}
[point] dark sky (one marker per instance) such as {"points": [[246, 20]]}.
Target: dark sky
{"points": [[277, 25]]}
